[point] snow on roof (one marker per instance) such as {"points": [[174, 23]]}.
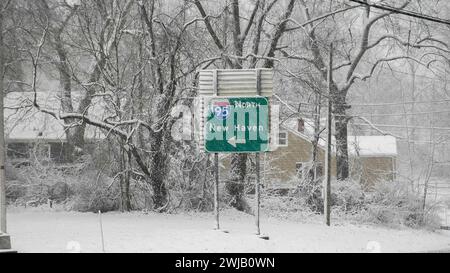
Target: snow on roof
{"points": [[357, 145], [28, 123], [372, 145]]}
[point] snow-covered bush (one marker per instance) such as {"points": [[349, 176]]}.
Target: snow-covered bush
{"points": [[395, 203], [387, 203], [310, 192], [348, 196], [15, 188], [94, 192], [288, 205], [77, 186], [33, 183], [190, 180]]}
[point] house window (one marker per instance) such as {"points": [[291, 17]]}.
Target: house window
{"points": [[299, 169], [304, 170], [319, 170], [17, 150], [283, 139]]}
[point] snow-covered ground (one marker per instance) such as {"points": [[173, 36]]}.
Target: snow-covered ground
{"points": [[49, 231]]}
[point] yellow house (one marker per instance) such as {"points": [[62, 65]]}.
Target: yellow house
{"points": [[372, 158]]}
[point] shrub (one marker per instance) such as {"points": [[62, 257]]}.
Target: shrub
{"points": [[77, 186], [289, 205], [387, 203], [94, 192], [348, 196], [310, 192], [395, 203]]}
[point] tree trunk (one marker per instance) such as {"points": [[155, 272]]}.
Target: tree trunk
{"points": [[236, 184], [65, 82], [158, 170], [76, 134], [125, 200], [342, 163]]}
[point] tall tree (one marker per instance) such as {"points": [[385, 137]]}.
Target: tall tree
{"points": [[358, 37], [246, 51], [57, 22], [127, 97]]}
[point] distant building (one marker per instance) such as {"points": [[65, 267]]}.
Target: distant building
{"points": [[30, 133], [372, 158]]}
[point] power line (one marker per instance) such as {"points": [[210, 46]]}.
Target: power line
{"points": [[382, 67], [405, 12], [399, 18], [383, 104], [409, 114], [436, 79], [409, 74], [410, 21], [402, 126], [401, 103], [423, 141], [387, 115]]}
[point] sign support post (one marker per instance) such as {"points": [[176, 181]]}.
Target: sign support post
{"points": [[258, 168], [216, 190], [327, 195], [257, 193], [216, 166], [258, 161]]}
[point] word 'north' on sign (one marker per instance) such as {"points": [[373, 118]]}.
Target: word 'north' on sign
{"points": [[236, 124]]}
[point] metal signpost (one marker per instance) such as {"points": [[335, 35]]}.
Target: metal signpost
{"points": [[236, 119]]}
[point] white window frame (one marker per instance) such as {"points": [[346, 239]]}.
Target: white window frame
{"points": [[286, 138], [297, 170]]}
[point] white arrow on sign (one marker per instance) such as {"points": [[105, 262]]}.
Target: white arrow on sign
{"points": [[233, 141]]}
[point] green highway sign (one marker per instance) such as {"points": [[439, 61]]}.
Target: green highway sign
{"points": [[236, 124]]}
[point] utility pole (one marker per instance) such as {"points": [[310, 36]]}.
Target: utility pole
{"points": [[257, 162], [327, 181], [4, 238], [258, 170], [216, 167], [257, 193]]}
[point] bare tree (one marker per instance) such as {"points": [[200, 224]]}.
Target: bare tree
{"points": [[136, 94], [352, 57], [246, 51], [57, 22]]}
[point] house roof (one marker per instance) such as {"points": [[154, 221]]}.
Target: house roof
{"points": [[372, 145], [28, 123], [375, 146]]}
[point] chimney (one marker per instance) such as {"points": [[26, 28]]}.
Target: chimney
{"points": [[300, 125]]}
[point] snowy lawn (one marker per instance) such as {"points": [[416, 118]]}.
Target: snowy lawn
{"points": [[35, 230]]}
